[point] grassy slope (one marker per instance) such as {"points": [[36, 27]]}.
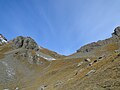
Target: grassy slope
{"points": [[63, 72], [51, 53], [4, 49]]}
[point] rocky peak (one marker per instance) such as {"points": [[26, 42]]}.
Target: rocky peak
{"points": [[3, 40], [116, 32], [92, 46], [25, 42]]}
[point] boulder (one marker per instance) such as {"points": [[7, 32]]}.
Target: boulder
{"points": [[117, 51], [79, 64], [87, 60], [90, 72], [16, 88], [42, 87]]}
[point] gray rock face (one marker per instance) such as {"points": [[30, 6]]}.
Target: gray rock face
{"points": [[25, 42], [116, 32], [27, 55], [92, 46]]}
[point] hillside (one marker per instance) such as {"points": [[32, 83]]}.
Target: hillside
{"points": [[26, 66]]}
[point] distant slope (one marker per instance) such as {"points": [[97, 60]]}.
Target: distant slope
{"points": [[51, 53], [91, 48]]}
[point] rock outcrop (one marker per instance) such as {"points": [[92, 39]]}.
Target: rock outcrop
{"points": [[92, 46], [25, 42], [116, 32]]}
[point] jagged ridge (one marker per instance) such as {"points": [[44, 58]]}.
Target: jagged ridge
{"points": [[89, 47]]}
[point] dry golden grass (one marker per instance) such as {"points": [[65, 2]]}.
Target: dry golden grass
{"points": [[111, 47], [4, 49], [1, 56], [51, 53]]}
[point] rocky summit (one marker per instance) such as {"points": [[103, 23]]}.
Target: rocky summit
{"points": [[89, 47], [25, 42], [24, 65]]}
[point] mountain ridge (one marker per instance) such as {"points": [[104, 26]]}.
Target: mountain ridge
{"points": [[115, 38], [26, 66]]}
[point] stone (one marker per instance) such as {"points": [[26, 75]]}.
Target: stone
{"points": [[90, 64], [100, 57], [117, 51], [107, 84], [87, 60], [42, 87], [16, 88], [90, 72], [79, 64], [58, 83], [95, 61]]}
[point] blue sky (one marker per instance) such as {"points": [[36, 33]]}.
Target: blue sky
{"points": [[59, 25]]}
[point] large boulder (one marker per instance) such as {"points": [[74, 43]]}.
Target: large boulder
{"points": [[24, 42]]}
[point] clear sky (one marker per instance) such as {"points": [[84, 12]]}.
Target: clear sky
{"points": [[59, 25]]}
